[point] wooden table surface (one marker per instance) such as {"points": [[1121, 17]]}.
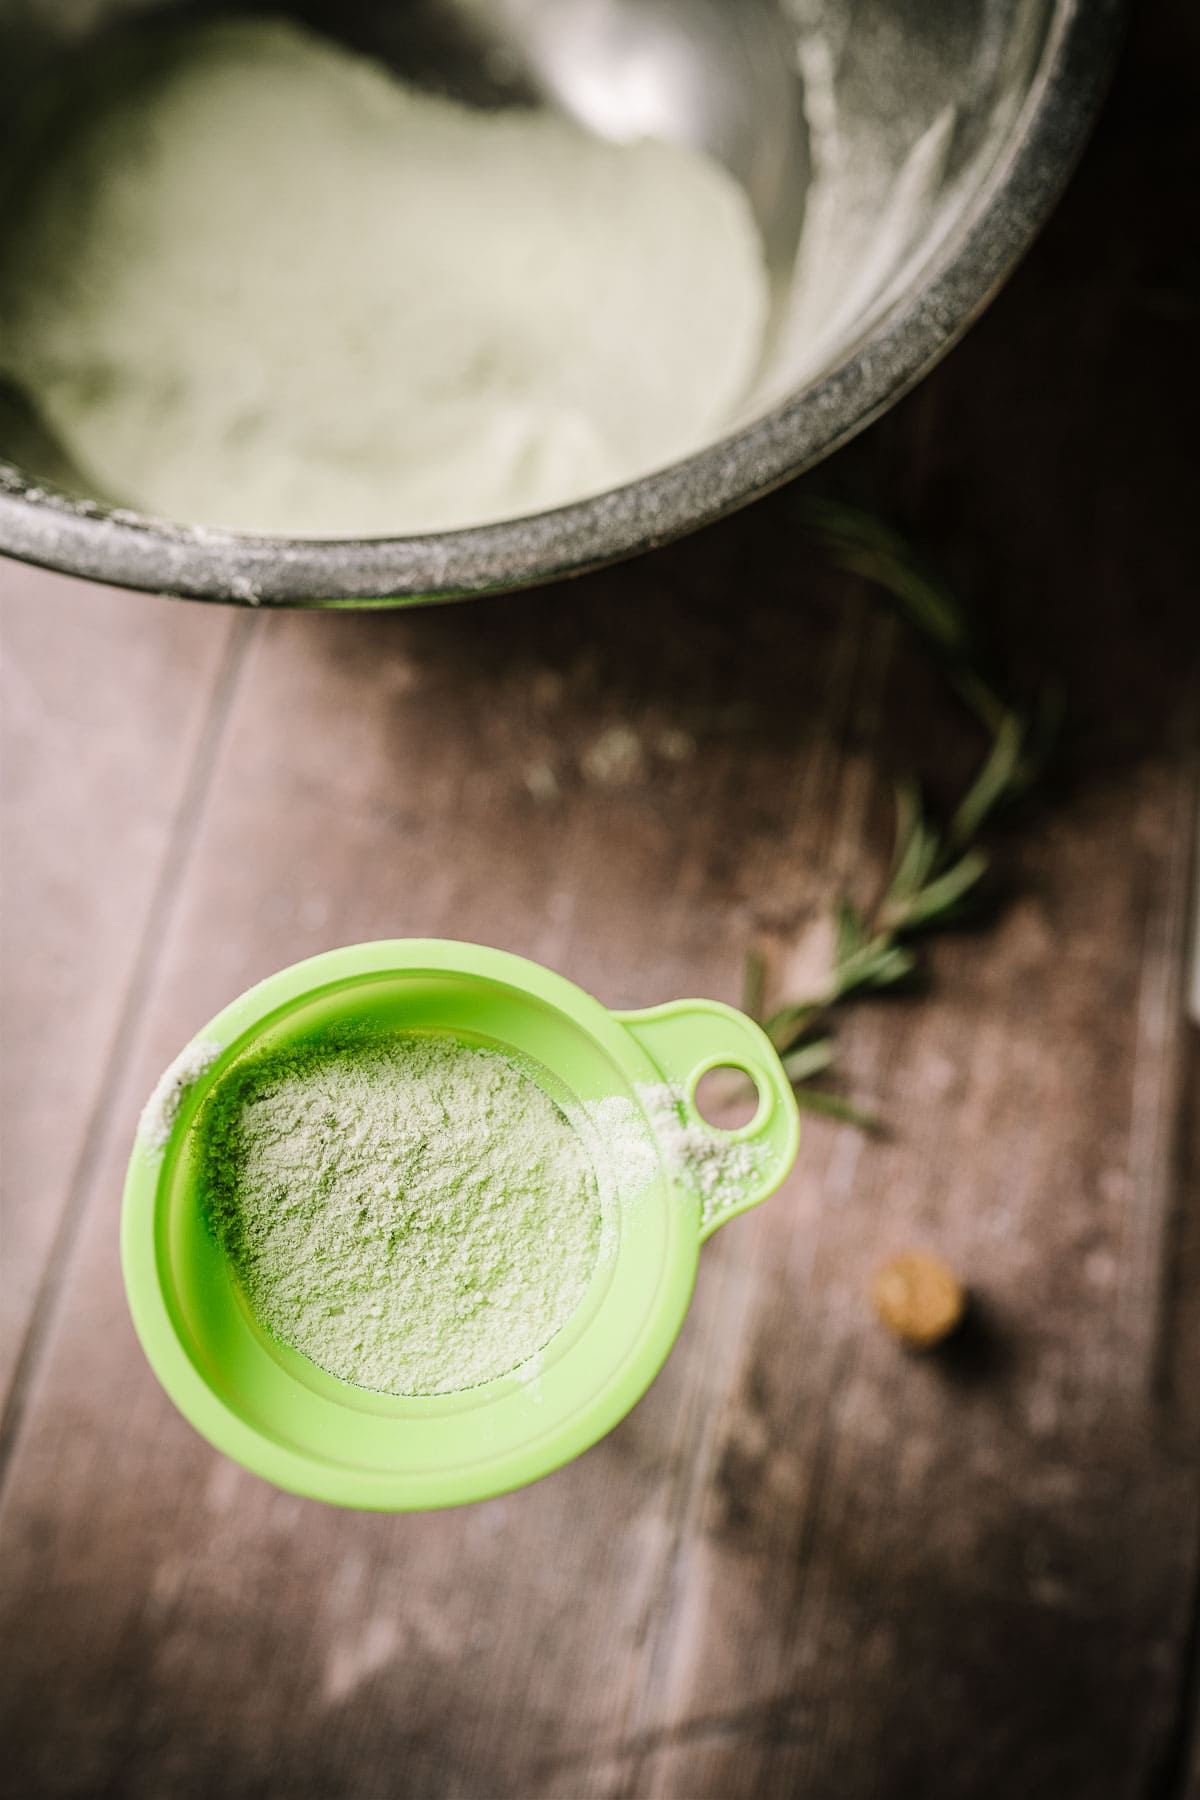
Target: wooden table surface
{"points": [[807, 1564]]}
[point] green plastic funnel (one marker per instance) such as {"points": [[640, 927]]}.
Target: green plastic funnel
{"points": [[279, 1415]]}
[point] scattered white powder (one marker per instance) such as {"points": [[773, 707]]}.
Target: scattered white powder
{"points": [[529, 1377], [623, 1139], [162, 1108], [255, 283], [615, 758], [541, 783], [413, 1214], [675, 744], [719, 1168]]}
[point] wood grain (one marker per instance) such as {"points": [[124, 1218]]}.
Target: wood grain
{"points": [[104, 700], [807, 1563]]}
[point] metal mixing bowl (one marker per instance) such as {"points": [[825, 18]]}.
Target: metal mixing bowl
{"points": [[899, 156]]}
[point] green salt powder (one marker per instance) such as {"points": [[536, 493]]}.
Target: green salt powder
{"points": [[411, 1213]]}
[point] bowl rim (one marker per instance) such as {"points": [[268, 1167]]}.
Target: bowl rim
{"points": [[42, 525]]}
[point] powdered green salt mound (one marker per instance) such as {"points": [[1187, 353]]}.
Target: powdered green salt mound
{"points": [[412, 1214], [254, 282]]}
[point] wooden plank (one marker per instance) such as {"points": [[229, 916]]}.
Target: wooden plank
{"points": [[105, 697]]}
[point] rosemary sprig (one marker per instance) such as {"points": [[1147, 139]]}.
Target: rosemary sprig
{"points": [[936, 868]]}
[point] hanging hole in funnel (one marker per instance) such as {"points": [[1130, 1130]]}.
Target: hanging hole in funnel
{"points": [[726, 1097]]}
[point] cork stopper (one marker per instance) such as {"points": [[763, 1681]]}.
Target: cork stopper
{"points": [[919, 1299]]}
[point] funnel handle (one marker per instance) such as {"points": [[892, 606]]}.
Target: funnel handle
{"points": [[686, 1039]]}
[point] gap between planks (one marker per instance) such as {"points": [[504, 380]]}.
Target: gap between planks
{"points": [[857, 694]]}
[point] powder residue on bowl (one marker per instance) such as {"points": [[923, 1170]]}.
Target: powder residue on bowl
{"points": [[414, 1214]]}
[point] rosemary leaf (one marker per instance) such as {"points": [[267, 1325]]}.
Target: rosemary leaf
{"points": [[917, 846], [933, 868], [851, 931], [754, 984], [994, 782], [878, 964], [788, 1025], [809, 1060], [864, 545], [832, 1106], [938, 900]]}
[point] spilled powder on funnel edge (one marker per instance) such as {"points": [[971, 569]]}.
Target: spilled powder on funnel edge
{"points": [[162, 1108], [719, 1168]]}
